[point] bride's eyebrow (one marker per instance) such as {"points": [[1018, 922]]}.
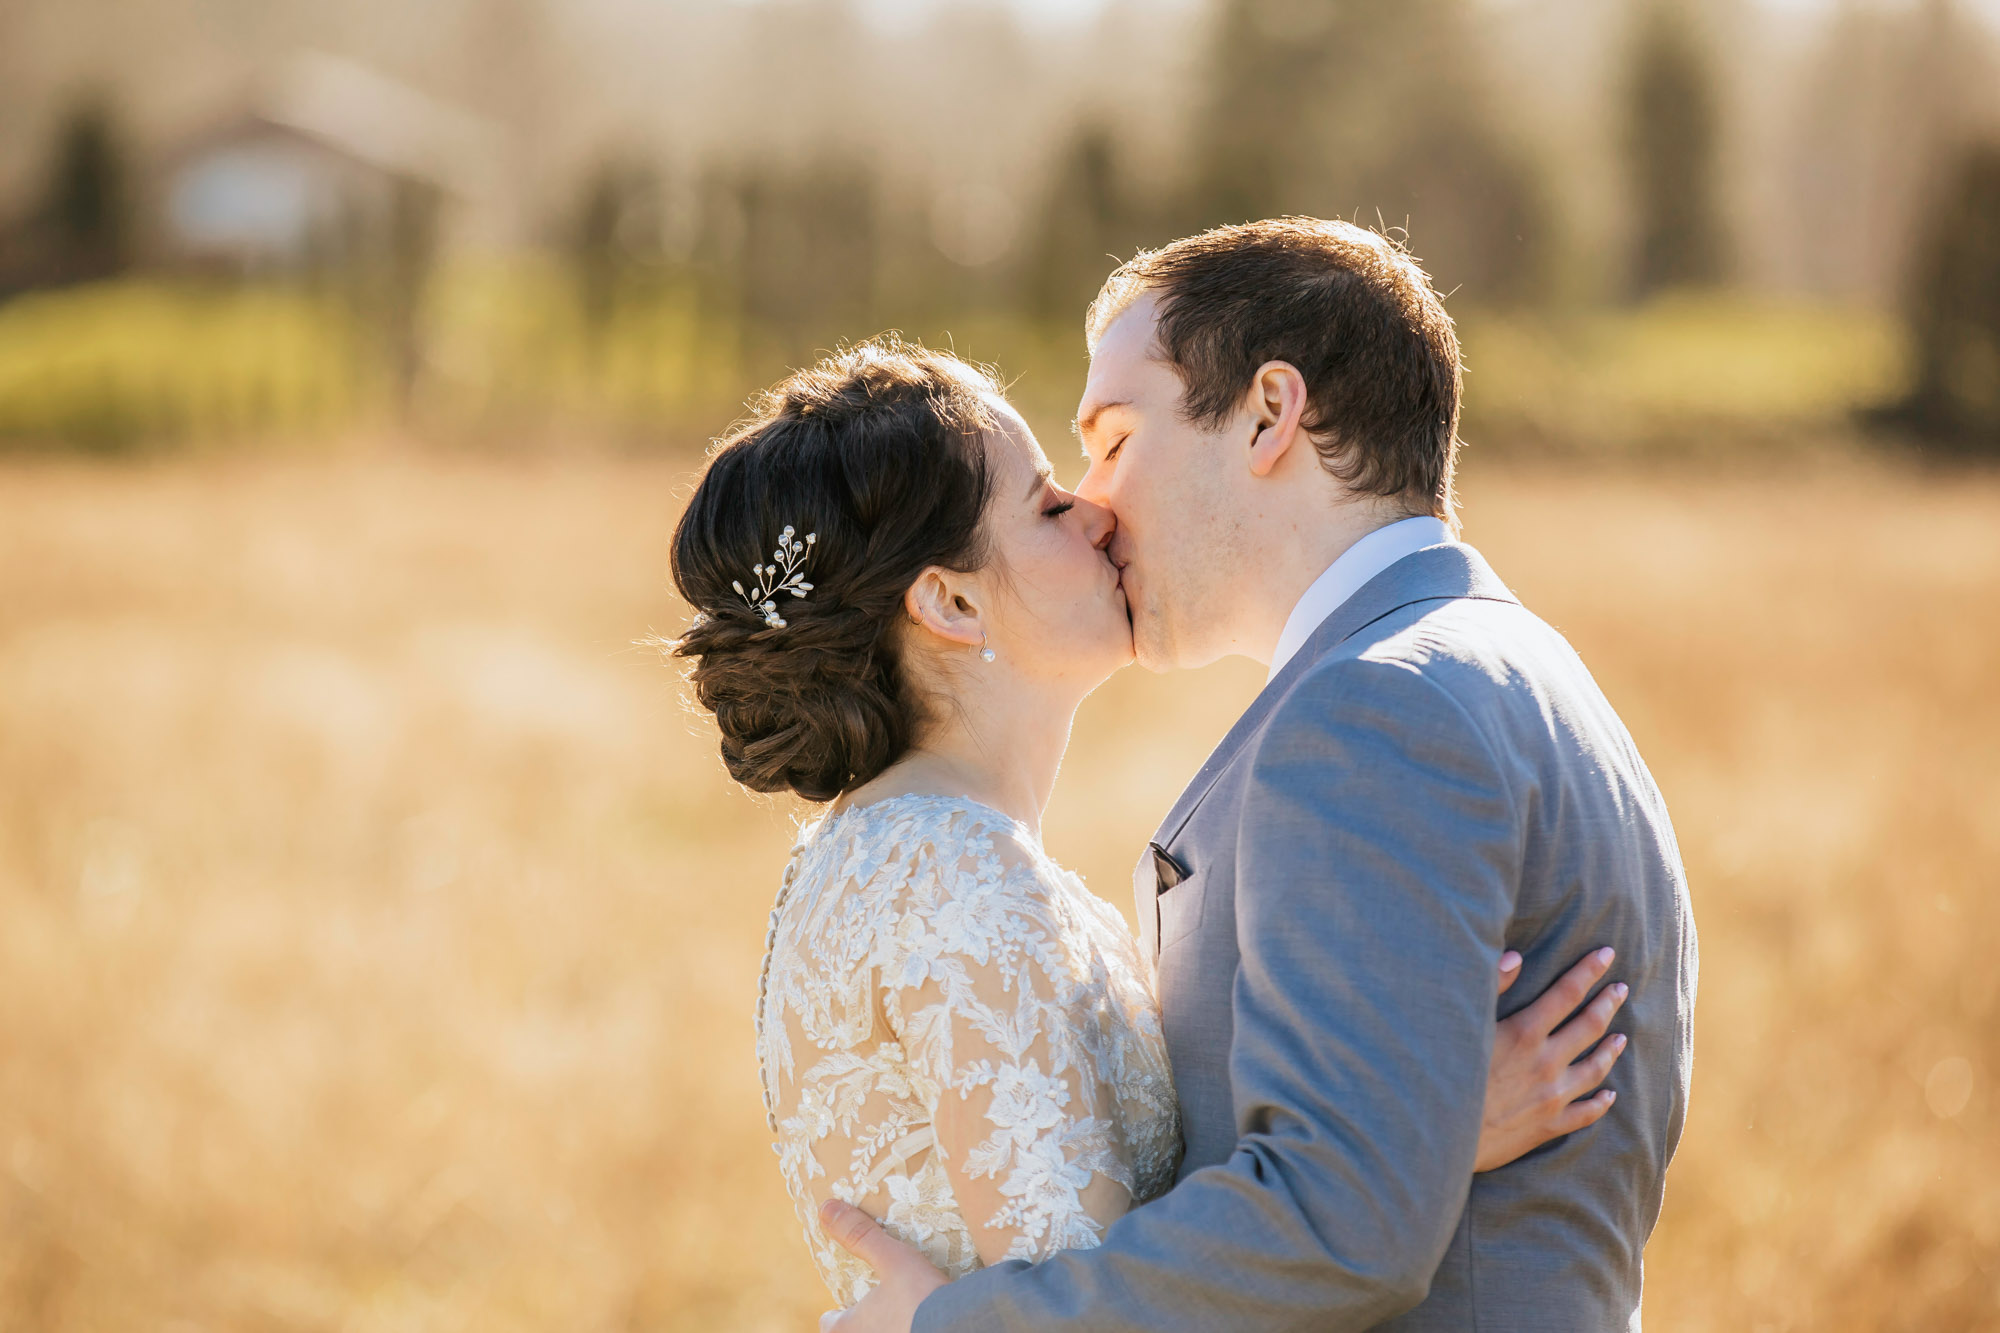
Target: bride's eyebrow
{"points": [[1039, 480]]}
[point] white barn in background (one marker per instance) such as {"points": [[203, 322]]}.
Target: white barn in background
{"points": [[316, 161]]}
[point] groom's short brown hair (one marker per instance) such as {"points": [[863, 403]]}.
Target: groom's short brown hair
{"points": [[1350, 308]]}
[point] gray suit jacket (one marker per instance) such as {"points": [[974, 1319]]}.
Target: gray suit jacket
{"points": [[1434, 778]]}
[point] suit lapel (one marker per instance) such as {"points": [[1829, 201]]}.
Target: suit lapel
{"points": [[1436, 573]]}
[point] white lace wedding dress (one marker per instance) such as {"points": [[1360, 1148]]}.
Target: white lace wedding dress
{"points": [[956, 1036]]}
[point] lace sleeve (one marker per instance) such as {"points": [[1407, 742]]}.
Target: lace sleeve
{"points": [[981, 990]]}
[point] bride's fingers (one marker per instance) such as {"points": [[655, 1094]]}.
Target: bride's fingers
{"points": [[1510, 970], [1586, 1112], [1561, 999], [1588, 1073], [1580, 1033]]}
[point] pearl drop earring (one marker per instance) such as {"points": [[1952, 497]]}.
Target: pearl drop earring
{"points": [[985, 653]]}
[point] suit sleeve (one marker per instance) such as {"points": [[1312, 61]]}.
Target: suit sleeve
{"points": [[1378, 860]]}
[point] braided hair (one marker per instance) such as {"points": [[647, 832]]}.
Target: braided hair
{"points": [[879, 451]]}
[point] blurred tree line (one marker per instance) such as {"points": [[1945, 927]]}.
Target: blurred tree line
{"points": [[1380, 111], [1372, 110]]}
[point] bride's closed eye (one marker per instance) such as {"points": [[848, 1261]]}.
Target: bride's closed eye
{"points": [[1058, 509]]}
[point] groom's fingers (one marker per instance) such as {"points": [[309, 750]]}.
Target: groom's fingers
{"points": [[863, 1237], [853, 1230], [1561, 999]]}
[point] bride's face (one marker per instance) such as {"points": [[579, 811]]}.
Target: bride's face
{"points": [[1056, 610]]}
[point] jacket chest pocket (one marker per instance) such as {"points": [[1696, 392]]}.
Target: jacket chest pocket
{"points": [[1180, 908]]}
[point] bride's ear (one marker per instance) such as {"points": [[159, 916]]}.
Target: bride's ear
{"points": [[941, 602]]}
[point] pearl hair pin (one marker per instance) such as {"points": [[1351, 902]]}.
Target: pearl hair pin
{"points": [[788, 575]]}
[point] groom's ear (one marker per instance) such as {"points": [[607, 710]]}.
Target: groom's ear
{"points": [[1277, 406]]}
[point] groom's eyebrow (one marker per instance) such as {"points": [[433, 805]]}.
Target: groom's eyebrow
{"points": [[1082, 426]]}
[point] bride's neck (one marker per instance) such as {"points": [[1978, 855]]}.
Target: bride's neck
{"points": [[1002, 752]]}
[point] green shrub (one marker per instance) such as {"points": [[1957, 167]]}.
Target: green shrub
{"points": [[116, 366]]}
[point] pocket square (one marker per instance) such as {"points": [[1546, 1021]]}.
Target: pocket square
{"points": [[1170, 871]]}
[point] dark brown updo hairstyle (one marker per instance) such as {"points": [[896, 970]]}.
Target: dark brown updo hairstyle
{"points": [[879, 453]]}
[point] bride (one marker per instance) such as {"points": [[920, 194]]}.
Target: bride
{"points": [[898, 612]]}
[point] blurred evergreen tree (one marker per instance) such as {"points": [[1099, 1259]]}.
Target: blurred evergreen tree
{"points": [[381, 258], [594, 248], [1377, 111], [85, 215], [1953, 305], [410, 255], [616, 234], [1089, 224], [790, 256], [1672, 134]]}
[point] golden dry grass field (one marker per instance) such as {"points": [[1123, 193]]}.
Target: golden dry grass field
{"points": [[378, 933]]}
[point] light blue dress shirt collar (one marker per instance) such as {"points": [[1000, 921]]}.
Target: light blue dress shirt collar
{"points": [[1345, 576]]}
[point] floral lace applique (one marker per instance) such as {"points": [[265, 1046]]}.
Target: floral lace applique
{"points": [[958, 1037]]}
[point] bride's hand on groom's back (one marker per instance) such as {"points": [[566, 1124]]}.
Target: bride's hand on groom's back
{"points": [[1535, 1081]]}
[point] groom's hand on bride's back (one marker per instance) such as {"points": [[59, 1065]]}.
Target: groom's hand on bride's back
{"points": [[1535, 1086], [906, 1277]]}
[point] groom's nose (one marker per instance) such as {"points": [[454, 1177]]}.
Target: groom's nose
{"points": [[1099, 522], [1094, 484]]}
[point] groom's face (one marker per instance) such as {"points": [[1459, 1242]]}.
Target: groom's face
{"points": [[1179, 542]]}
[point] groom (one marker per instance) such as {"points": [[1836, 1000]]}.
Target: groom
{"points": [[1429, 777]]}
